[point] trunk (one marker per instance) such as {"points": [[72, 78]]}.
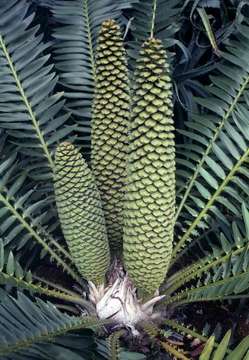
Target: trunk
{"points": [[118, 301]]}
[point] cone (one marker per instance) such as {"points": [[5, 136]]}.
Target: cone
{"points": [[109, 128], [80, 213], [150, 192]]}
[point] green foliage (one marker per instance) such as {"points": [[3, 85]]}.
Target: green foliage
{"points": [[24, 219], [14, 275], [110, 128], [215, 350], [221, 274], [80, 212], [113, 345], [123, 354], [212, 166], [34, 323], [220, 353], [79, 23], [29, 110], [150, 191], [11, 270], [162, 17]]}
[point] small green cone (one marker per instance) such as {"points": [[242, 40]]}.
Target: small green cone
{"points": [[109, 128], [80, 213], [150, 192]]}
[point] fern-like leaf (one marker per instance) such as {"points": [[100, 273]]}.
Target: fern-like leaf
{"points": [[25, 323], [113, 345], [214, 161], [13, 274], [157, 17], [220, 353], [222, 274], [28, 110], [22, 219], [74, 52]]}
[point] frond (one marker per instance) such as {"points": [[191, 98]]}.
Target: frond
{"points": [[24, 219], [158, 16], [13, 274], [222, 274], [103, 349], [217, 251], [220, 352], [173, 350], [113, 345], [214, 350], [24, 323], [74, 50], [153, 331], [185, 330], [29, 111], [213, 165], [43, 3]]}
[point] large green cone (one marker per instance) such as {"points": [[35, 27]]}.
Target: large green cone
{"points": [[109, 128], [80, 213], [150, 197]]}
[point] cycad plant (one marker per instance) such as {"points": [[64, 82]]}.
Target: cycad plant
{"points": [[149, 226]]}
